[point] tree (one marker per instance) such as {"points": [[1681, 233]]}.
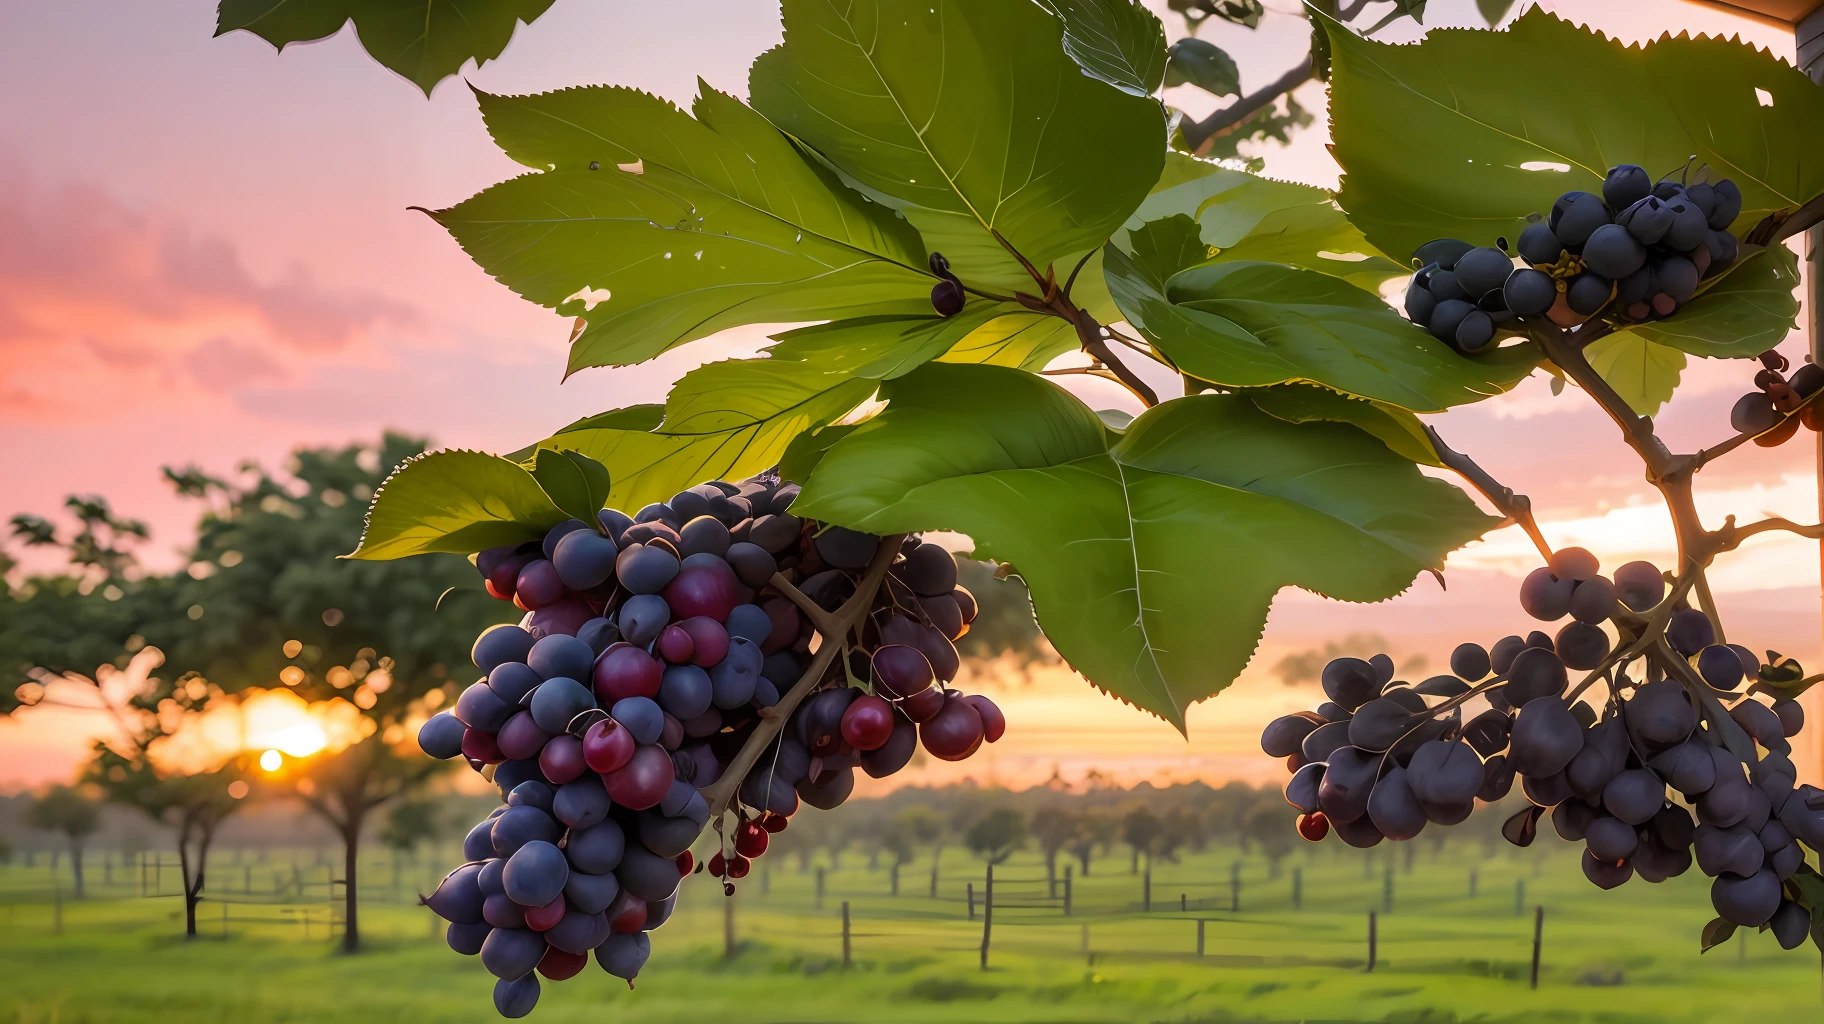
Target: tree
{"points": [[411, 824], [68, 811], [1054, 827], [996, 835], [909, 829], [1141, 830], [1267, 828], [1095, 828]]}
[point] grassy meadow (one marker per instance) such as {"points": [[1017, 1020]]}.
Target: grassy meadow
{"points": [[268, 952]]}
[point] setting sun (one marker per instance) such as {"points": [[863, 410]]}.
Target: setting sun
{"points": [[271, 761]]}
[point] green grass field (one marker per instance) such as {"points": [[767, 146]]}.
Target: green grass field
{"points": [[1624, 956]]}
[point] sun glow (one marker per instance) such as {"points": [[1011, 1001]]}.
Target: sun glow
{"points": [[272, 761]]}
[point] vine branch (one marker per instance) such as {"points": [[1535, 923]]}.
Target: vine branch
{"points": [[1517, 507], [722, 792], [1197, 133]]}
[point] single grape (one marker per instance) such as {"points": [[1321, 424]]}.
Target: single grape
{"points": [[1613, 252], [1482, 270], [1749, 902], [1758, 721], [1474, 333], [1393, 808], [1677, 277], [1634, 796], [1445, 772], [1530, 292], [1753, 413], [1350, 682], [1582, 646], [1791, 715], [500, 644], [1285, 735], [1791, 925], [1447, 317], [1690, 225], [645, 569], [1545, 737], [1648, 220], [1538, 246], [1610, 839], [1575, 216], [1544, 596], [1687, 766], [1379, 723], [1606, 874], [1626, 185], [1588, 292], [947, 298], [1501, 656], [512, 952], [1639, 585], [1445, 252], [584, 559], [1347, 782], [1689, 631], [1727, 205], [1419, 302]]}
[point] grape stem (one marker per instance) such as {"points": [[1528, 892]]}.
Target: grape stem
{"points": [[823, 621], [1714, 452], [721, 794], [1516, 507], [1731, 536]]}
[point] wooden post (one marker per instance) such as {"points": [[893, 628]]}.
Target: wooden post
{"points": [[1519, 896], [1387, 888], [1088, 957], [158, 873], [819, 888], [1200, 923], [224, 919], [934, 876], [1184, 902], [56, 907], [1298, 888], [1538, 936], [1146, 890], [987, 914], [895, 877], [1372, 937], [1235, 888], [970, 888], [845, 937], [1067, 885], [142, 875]]}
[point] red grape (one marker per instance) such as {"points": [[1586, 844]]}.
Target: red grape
{"points": [[562, 759], [607, 746], [675, 644], [480, 746], [1314, 826], [538, 586], [624, 671], [868, 723], [627, 914], [561, 966], [994, 724], [709, 640], [643, 781], [687, 862], [923, 705], [901, 670], [751, 839], [953, 733], [701, 590], [545, 918]]}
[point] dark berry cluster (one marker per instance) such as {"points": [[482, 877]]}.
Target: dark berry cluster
{"points": [[1643, 773], [1637, 251], [653, 651]]}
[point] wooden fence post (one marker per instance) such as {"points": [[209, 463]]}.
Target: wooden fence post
{"points": [[969, 887], [1200, 923], [819, 888], [1372, 937], [1235, 888], [1184, 902], [895, 877], [1146, 890], [1538, 936], [987, 914], [1067, 886], [56, 907], [845, 937]]}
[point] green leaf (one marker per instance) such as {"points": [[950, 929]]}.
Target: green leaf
{"points": [[1161, 248], [424, 40], [1244, 324], [1203, 64], [1717, 932], [1116, 41], [1398, 429], [1435, 141], [883, 347], [808, 449], [1741, 314], [1642, 372], [454, 500], [1152, 558], [686, 226], [1025, 340], [723, 421], [575, 483], [1248, 217], [968, 117]]}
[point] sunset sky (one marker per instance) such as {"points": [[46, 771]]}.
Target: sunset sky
{"points": [[206, 256]]}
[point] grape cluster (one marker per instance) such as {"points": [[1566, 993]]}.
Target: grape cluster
{"points": [[1639, 250], [1623, 775], [653, 649], [1766, 412]]}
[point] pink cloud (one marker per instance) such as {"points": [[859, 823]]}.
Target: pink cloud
{"points": [[99, 301]]}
